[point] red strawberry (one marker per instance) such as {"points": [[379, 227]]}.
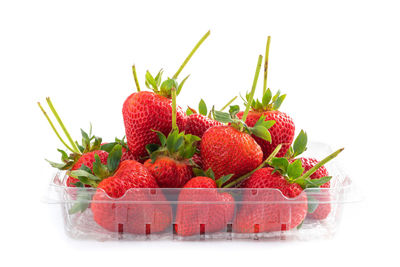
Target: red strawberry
{"points": [[197, 124], [81, 154], [281, 209], [226, 150], [131, 218], [86, 159], [200, 218], [282, 132], [170, 163], [323, 209], [168, 172], [144, 112], [231, 149]]}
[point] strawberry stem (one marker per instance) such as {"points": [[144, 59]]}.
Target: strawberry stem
{"points": [[135, 78], [190, 55], [173, 95], [53, 110], [266, 65], [253, 89], [321, 163], [227, 104], [54, 128], [262, 165]]}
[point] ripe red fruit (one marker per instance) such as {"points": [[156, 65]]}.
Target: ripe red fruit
{"points": [[284, 208], [86, 159], [282, 132], [203, 218], [227, 150], [323, 209], [198, 124], [168, 172], [273, 212], [132, 218], [144, 112]]}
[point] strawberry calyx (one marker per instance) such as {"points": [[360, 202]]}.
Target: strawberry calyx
{"points": [[267, 103], [203, 110], [209, 173], [259, 129], [176, 145], [293, 172], [109, 146], [164, 88], [299, 146]]}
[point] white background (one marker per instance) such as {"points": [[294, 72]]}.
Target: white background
{"points": [[338, 62]]}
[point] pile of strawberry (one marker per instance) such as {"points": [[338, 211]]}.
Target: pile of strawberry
{"points": [[199, 151]]}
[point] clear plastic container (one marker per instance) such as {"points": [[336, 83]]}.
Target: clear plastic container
{"points": [[206, 214]]}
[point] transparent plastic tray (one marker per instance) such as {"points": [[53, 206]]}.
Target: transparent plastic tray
{"points": [[201, 214]]}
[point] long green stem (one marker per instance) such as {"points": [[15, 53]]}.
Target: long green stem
{"points": [[321, 163], [253, 89], [191, 54], [227, 104], [266, 65], [75, 148], [135, 78], [262, 165], [54, 128], [173, 95]]}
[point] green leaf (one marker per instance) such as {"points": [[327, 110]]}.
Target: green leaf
{"points": [[300, 225], [202, 108], [150, 81], [158, 77], [82, 201], [161, 137], [178, 143], [171, 140], [276, 96], [222, 117], [300, 144], [198, 172], [181, 85], [266, 97], [150, 148], [99, 169], [234, 110], [222, 180], [261, 132], [280, 164], [114, 158], [312, 204], [85, 168], [64, 156], [210, 173], [295, 169], [312, 183], [84, 174], [108, 147], [262, 122], [81, 148], [167, 86], [61, 166], [278, 102]]}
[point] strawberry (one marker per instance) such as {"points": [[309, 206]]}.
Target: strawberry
{"points": [[170, 162], [115, 183], [318, 211], [282, 132], [283, 209], [144, 112], [200, 218], [231, 149], [81, 154], [86, 159], [198, 123]]}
